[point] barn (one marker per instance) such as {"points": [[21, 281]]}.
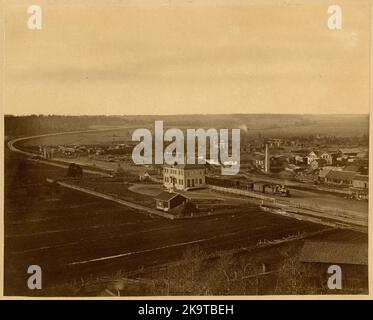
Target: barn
{"points": [[166, 201]]}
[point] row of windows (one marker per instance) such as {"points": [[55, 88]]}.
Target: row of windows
{"points": [[193, 182], [179, 181], [181, 171], [172, 171], [190, 182]]}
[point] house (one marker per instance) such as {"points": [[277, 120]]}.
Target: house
{"points": [[184, 176], [361, 182], [317, 163], [314, 251], [328, 157], [360, 187], [166, 201], [351, 257], [351, 152], [313, 155], [323, 173], [258, 161], [340, 177]]}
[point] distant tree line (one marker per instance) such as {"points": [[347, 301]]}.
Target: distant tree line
{"points": [[40, 124], [256, 124]]}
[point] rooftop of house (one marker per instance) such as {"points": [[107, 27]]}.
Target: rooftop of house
{"points": [[314, 152], [341, 175], [351, 150], [361, 177], [334, 252], [185, 166], [167, 196], [324, 171], [352, 167]]}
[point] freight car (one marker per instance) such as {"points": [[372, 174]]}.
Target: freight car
{"points": [[269, 188]]}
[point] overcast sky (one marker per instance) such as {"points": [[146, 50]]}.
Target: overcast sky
{"points": [[185, 58]]}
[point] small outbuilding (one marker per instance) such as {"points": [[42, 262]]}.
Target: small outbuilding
{"points": [[352, 258], [166, 201]]}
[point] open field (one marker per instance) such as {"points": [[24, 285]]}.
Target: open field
{"points": [[85, 236], [93, 137]]}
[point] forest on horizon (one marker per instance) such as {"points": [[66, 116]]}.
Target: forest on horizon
{"points": [[17, 126]]}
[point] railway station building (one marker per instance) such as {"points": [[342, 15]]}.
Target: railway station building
{"points": [[184, 176]]}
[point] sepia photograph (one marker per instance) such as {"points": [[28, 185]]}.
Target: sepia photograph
{"points": [[185, 148]]}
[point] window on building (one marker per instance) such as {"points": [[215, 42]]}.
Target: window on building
{"points": [[200, 181]]}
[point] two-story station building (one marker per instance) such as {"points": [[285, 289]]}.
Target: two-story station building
{"points": [[184, 176]]}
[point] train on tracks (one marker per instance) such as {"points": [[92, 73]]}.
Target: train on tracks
{"points": [[255, 186]]}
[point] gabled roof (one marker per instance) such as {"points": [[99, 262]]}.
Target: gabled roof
{"points": [[317, 153], [350, 150], [361, 177], [341, 175], [324, 171], [186, 166], [167, 196], [352, 167], [330, 152], [334, 252]]}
